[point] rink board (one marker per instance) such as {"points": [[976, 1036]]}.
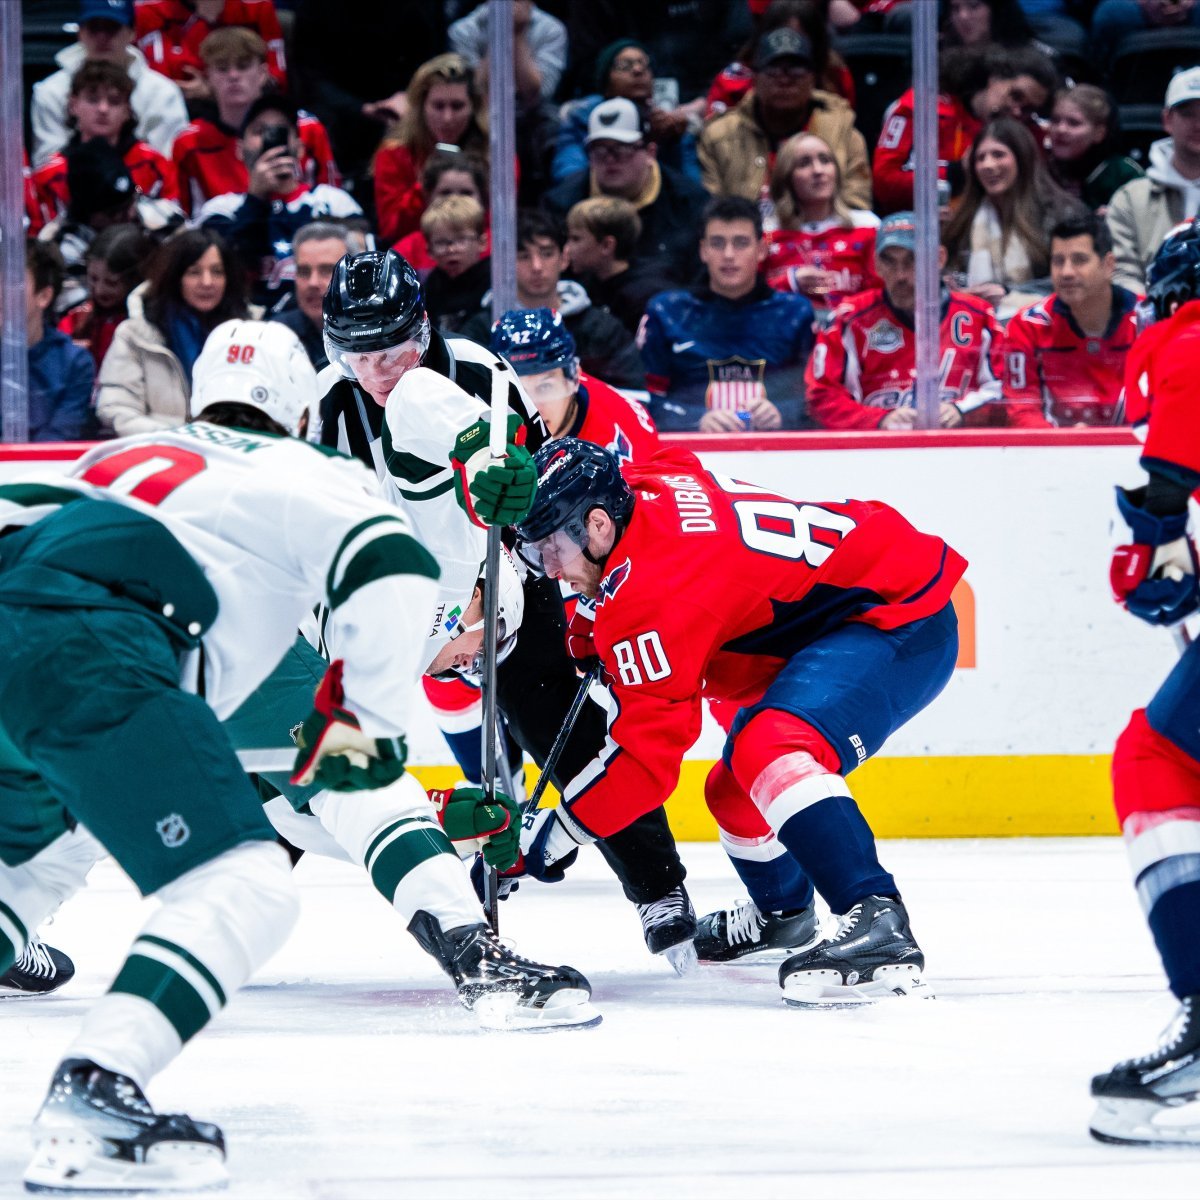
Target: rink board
{"points": [[1050, 668]]}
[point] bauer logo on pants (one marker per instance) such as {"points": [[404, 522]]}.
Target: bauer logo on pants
{"points": [[173, 830]]}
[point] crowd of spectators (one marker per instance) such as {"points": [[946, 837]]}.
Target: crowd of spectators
{"points": [[702, 203]]}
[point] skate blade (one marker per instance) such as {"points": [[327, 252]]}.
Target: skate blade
{"points": [[825, 989], [503, 1012], [76, 1163], [1120, 1121], [682, 956]]}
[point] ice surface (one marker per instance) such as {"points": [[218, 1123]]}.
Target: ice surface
{"points": [[348, 1070]]}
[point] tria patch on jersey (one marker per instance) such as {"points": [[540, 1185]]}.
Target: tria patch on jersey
{"points": [[611, 583], [884, 337]]}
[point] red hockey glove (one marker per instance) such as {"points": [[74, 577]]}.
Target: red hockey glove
{"points": [[581, 641], [1155, 577], [334, 751]]}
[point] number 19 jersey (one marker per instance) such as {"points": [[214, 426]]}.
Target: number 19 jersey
{"points": [[714, 585]]}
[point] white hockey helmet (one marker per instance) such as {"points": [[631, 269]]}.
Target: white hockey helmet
{"points": [[510, 612], [261, 364]]}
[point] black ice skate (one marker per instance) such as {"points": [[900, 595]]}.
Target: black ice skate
{"points": [[1155, 1100], [669, 927], [743, 929], [873, 955], [40, 970], [502, 989], [96, 1132]]}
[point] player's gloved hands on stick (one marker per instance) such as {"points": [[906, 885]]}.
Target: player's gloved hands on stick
{"points": [[493, 491], [506, 881], [581, 629], [475, 823], [334, 751], [550, 843], [1155, 577]]}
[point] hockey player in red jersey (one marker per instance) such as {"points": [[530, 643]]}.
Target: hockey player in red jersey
{"points": [[1064, 357], [861, 372], [830, 624], [1155, 1099], [541, 350]]}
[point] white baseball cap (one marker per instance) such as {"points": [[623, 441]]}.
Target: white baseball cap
{"points": [[1183, 87], [616, 120]]}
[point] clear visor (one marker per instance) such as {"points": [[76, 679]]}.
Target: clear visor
{"points": [[551, 554], [380, 370]]}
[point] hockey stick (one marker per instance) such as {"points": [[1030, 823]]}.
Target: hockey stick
{"points": [[492, 761], [560, 741]]}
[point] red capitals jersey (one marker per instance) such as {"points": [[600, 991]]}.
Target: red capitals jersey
{"points": [[153, 175], [828, 245], [892, 167], [1054, 374], [169, 33], [864, 364], [713, 587], [206, 157], [613, 421], [1161, 393]]}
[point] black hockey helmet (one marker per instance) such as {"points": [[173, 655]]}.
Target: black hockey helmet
{"points": [[1173, 276], [574, 477], [373, 302]]}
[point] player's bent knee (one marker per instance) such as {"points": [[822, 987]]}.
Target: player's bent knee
{"points": [[1150, 773], [232, 912], [773, 739], [731, 806], [356, 819]]}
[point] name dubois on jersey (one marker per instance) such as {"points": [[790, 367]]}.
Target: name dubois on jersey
{"points": [[695, 512]]}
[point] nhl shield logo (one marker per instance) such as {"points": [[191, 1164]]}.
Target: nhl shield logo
{"points": [[173, 830], [884, 337]]}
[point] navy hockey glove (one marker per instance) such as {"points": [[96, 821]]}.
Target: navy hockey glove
{"points": [[550, 843], [473, 823], [333, 750], [493, 491], [506, 881], [1155, 577]]}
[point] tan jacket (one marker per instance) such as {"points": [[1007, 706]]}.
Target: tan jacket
{"points": [[142, 385], [1140, 215], [734, 150]]}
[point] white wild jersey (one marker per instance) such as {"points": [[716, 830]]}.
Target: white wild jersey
{"points": [[425, 413], [278, 527]]}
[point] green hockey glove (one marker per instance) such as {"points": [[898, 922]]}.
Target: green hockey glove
{"points": [[333, 750], [493, 491], [472, 824]]}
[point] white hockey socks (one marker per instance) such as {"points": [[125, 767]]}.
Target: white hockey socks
{"points": [[217, 925], [34, 891], [394, 833]]}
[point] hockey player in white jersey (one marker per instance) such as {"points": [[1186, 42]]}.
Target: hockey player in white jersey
{"points": [[414, 405], [142, 599]]}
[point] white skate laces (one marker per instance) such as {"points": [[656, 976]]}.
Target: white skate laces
{"points": [[743, 923], [35, 960]]}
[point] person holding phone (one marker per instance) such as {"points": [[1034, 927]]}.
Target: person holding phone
{"points": [[278, 201]]}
